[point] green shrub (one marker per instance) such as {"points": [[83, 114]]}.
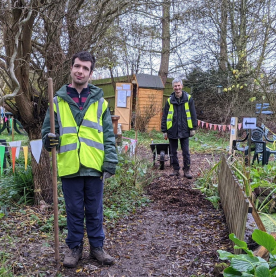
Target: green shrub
{"points": [[5, 270], [123, 193], [207, 183], [248, 264], [17, 187]]}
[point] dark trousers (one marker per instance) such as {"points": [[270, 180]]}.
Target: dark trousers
{"points": [[84, 198], [184, 143]]}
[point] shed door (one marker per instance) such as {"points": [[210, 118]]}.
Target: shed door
{"points": [[123, 104]]}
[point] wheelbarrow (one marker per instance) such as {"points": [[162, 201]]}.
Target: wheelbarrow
{"points": [[161, 153]]}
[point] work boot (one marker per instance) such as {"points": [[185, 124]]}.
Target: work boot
{"points": [[101, 256], [187, 173], [175, 173], [72, 256]]}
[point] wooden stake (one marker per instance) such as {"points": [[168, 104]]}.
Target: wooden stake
{"points": [[136, 143], [12, 127], [249, 147], [54, 168], [233, 133]]}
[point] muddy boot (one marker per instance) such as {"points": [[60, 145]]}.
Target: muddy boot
{"points": [[101, 256], [175, 173], [72, 256], [187, 174]]}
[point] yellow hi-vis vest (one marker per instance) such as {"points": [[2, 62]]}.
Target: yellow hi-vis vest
{"points": [[80, 145], [187, 110]]}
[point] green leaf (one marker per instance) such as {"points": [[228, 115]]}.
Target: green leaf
{"points": [[263, 262], [238, 242], [252, 99], [231, 272], [244, 263], [262, 271], [224, 255], [264, 239], [249, 252]]}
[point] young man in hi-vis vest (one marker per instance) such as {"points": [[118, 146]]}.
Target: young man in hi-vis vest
{"points": [[85, 143], [179, 122]]}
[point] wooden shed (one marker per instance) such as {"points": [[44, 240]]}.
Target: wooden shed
{"points": [[129, 96], [135, 96]]}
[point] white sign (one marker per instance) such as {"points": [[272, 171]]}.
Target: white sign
{"points": [[126, 86], [249, 123], [233, 121], [121, 99]]}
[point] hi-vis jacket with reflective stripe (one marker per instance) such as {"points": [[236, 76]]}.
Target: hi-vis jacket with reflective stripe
{"points": [[83, 144], [87, 141], [187, 110], [179, 116]]}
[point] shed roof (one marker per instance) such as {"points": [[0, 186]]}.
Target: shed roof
{"points": [[149, 81]]}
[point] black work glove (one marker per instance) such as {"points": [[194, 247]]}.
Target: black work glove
{"points": [[106, 175], [52, 140]]}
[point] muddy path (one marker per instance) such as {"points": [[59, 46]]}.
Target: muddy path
{"points": [[177, 234]]}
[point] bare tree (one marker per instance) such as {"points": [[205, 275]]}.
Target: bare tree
{"points": [[236, 37], [165, 54], [39, 38]]}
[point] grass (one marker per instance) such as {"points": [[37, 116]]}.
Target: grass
{"points": [[5, 270], [205, 141], [5, 135]]}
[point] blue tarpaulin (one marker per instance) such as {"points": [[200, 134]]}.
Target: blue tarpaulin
{"points": [[265, 107]]}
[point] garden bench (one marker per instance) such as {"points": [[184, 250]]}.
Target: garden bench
{"points": [[270, 149], [258, 145]]}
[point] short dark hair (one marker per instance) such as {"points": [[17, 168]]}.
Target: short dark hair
{"points": [[85, 56]]}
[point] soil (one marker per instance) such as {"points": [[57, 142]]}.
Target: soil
{"points": [[177, 234]]}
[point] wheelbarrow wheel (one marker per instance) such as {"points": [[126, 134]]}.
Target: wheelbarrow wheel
{"points": [[162, 160]]}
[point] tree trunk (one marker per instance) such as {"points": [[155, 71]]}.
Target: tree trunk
{"points": [[42, 171], [165, 55], [42, 174], [35, 37], [242, 45], [223, 36]]}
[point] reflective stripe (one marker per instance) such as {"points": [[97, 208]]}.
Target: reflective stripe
{"points": [[90, 124], [92, 143], [69, 130], [68, 147], [65, 130], [58, 116], [169, 119], [170, 112], [99, 112], [187, 111], [188, 118]]}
